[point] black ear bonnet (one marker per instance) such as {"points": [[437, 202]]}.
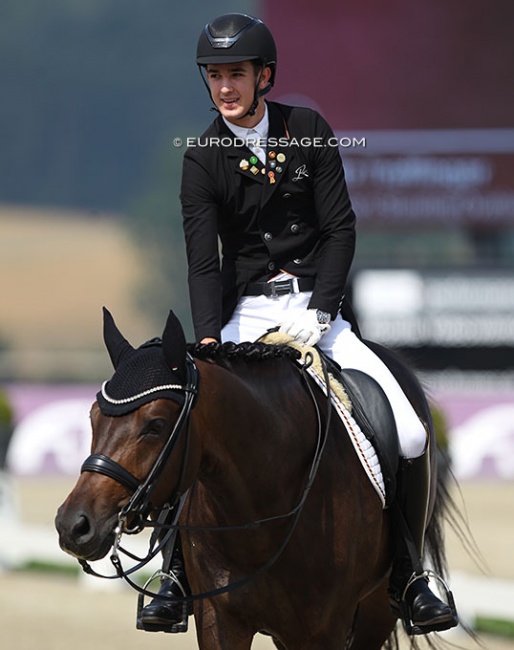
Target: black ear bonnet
{"points": [[157, 369]]}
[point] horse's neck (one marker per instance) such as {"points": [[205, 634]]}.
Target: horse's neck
{"points": [[249, 429], [233, 413]]}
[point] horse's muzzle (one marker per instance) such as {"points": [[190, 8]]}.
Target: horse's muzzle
{"points": [[81, 536]]}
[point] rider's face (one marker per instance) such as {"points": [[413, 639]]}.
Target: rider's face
{"points": [[232, 88]]}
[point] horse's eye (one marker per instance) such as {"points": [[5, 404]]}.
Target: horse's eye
{"points": [[154, 428]]}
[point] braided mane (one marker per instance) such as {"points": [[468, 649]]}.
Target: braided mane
{"points": [[246, 351]]}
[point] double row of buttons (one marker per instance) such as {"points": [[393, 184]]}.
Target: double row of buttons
{"points": [[295, 228], [272, 265]]}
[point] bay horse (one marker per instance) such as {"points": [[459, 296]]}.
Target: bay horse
{"points": [[282, 531]]}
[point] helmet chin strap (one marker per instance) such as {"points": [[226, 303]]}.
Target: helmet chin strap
{"points": [[257, 95]]}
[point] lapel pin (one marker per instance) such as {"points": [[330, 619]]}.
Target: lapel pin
{"points": [[254, 160], [271, 177], [244, 164], [281, 158]]}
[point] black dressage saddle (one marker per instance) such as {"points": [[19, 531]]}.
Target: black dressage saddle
{"points": [[373, 413]]}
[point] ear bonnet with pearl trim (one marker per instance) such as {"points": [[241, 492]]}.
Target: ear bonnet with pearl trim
{"points": [[157, 369]]}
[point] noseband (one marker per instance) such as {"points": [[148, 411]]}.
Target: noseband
{"points": [[108, 467], [138, 506]]}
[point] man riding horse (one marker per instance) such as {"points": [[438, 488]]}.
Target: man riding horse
{"points": [[267, 180]]}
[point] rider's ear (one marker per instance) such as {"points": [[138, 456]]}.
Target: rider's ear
{"points": [[116, 344], [174, 345]]}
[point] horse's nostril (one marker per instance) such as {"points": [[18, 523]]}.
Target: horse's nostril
{"points": [[82, 527]]}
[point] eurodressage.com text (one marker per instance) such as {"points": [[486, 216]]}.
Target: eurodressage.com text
{"points": [[282, 143]]}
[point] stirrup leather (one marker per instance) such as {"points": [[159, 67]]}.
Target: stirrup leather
{"points": [[402, 607]]}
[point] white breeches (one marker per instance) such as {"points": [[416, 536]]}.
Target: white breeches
{"points": [[254, 315]]}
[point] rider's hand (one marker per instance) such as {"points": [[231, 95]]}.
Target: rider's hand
{"points": [[306, 328]]}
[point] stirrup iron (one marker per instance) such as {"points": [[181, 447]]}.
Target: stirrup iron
{"points": [[172, 628], [410, 628]]}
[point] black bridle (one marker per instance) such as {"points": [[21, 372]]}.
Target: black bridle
{"points": [[139, 506]]}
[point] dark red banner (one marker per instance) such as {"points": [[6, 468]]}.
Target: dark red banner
{"points": [[421, 97], [370, 64]]}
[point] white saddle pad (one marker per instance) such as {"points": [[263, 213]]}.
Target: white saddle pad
{"points": [[364, 449]]}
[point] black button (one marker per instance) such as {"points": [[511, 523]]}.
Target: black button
{"points": [[295, 228], [268, 236], [297, 260], [286, 196], [271, 266]]}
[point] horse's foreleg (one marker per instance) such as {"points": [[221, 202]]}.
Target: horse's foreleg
{"points": [[216, 631], [335, 635], [374, 622]]}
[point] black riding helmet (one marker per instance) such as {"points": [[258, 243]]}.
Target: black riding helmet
{"points": [[238, 37]]}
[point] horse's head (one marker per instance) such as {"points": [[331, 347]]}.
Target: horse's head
{"points": [[139, 418]]}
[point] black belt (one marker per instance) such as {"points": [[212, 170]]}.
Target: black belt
{"points": [[279, 287]]}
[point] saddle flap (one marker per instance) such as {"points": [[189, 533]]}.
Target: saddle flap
{"points": [[374, 415]]}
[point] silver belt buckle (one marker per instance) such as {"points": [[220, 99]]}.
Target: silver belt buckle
{"points": [[281, 287]]}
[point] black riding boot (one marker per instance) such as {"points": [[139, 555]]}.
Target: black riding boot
{"points": [[421, 610], [162, 614]]}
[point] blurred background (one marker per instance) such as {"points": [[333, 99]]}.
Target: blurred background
{"points": [[93, 95]]}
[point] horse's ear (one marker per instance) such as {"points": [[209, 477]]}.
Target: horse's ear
{"points": [[174, 345], [116, 344]]}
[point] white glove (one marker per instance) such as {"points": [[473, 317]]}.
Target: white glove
{"points": [[305, 328]]}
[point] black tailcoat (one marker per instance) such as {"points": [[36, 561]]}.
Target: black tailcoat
{"points": [[302, 223]]}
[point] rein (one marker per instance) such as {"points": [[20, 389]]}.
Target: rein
{"points": [[139, 505]]}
